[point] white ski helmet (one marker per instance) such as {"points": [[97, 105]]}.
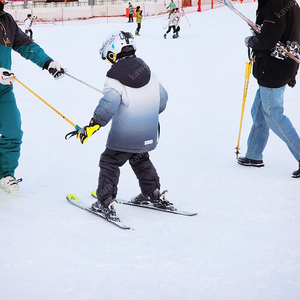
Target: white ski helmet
{"points": [[117, 45]]}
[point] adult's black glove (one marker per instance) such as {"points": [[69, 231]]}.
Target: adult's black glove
{"points": [[55, 69], [292, 83]]}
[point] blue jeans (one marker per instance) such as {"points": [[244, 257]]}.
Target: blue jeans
{"points": [[267, 113]]}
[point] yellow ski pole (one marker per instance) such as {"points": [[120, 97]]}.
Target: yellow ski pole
{"points": [[247, 76], [26, 87]]}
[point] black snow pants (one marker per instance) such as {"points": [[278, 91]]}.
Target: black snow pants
{"points": [[110, 163], [171, 27]]}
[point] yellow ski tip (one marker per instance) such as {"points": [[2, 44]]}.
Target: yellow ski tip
{"points": [[72, 197]]}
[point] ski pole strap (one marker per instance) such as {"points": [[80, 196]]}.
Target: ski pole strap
{"points": [[250, 53], [71, 134]]}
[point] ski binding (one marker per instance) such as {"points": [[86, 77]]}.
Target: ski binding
{"points": [[112, 219], [149, 205]]}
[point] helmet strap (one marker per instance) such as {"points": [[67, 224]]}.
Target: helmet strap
{"points": [[111, 57]]}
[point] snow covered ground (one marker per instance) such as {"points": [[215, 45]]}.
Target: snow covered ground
{"points": [[244, 242]]}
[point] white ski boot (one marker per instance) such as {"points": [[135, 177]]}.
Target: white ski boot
{"points": [[10, 184]]}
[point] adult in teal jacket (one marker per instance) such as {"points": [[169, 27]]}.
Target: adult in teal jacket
{"points": [[13, 38]]}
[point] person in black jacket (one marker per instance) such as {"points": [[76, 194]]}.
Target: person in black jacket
{"points": [[279, 21]]}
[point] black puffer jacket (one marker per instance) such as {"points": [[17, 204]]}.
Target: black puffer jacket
{"points": [[279, 21]]}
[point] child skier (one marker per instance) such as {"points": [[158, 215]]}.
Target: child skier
{"points": [[173, 21], [178, 15], [138, 17], [132, 98]]}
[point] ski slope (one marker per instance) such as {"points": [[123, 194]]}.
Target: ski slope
{"points": [[245, 241]]}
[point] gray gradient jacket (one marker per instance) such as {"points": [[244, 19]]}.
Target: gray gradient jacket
{"points": [[133, 99]]}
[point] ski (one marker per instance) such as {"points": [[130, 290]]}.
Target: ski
{"points": [[149, 205], [291, 50], [77, 202]]}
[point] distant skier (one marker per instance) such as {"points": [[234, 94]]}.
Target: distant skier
{"points": [[138, 17], [272, 74], [28, 24], [131, 12], [172, 24], [133, 98], [171, 6], [178, 15]]}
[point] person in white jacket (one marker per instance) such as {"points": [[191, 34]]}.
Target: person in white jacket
{"points": [[178, 15], [132, 99], [28, 24], [172, 24]]}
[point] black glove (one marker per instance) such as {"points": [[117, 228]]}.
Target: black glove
{"points": [[247, 40], [250, 41], [292, 83], [55, 69]]}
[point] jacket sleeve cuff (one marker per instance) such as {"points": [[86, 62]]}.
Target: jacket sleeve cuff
{"points": [[47, 63]]}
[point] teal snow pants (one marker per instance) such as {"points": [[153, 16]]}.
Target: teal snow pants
{"points": [[11, 134]]}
